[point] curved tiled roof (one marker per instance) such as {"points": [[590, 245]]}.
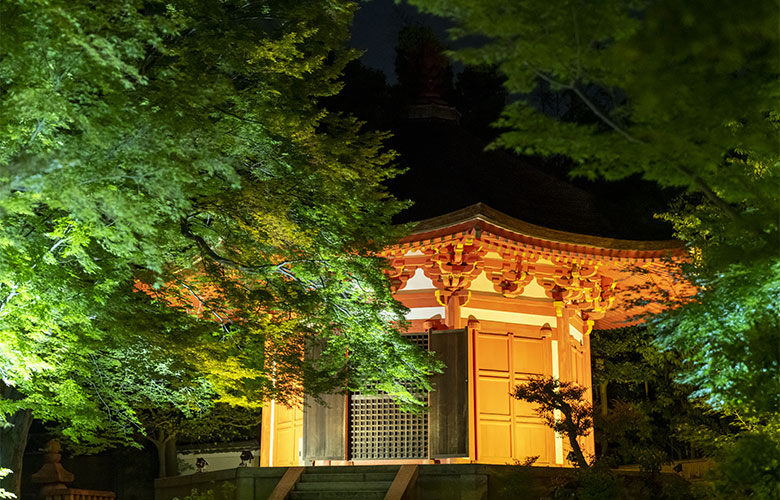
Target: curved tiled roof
{"points": [[484, 218]]}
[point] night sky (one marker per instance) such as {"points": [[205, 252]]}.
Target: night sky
{"points": [[626, 207], [375, 30]]}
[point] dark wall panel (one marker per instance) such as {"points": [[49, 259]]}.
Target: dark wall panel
{"points": [[324, 425], [449, 427], [323, 428]]}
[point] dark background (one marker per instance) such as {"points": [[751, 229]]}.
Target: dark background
{"points": [[447, 168]]}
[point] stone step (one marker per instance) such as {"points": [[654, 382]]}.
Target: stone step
{"points": [[349, 476], [326, 484], [336, 495], [351, 482], [345, 469]]}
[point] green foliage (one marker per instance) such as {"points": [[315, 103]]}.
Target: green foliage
{"points": [[672, 91], [728, 335], [519, 482], [684, 94], [599, 482], [649, 415], [729, 338], [591, 483], [748, 465], [225, 491], [670, 88], [4, 493], [217, 423], [660, 424], [180, 216]]}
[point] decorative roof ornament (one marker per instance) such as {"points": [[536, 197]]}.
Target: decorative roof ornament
{"points": [[425, 74]]}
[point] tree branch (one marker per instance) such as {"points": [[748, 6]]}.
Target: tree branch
{"points": [[206, 249], [713, 197], [8, 298], [590, 105], [695, 179], [35, 133], [202, 302]]}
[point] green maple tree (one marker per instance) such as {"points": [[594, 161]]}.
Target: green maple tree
{"points": [[182, 145]]}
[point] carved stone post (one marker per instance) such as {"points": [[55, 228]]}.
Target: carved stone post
{"points": [[52, 476]]}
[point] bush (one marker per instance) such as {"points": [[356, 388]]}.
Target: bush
{"points": [[598, 482], [226, 491]]}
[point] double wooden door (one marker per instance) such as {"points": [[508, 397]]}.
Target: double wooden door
{"points": [[372, 427]]}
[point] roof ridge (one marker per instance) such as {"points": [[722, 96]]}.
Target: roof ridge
{"points": [[489, 215]]}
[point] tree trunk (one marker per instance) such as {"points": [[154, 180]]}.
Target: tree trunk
{"points": [[604, 410], [13, 441], [159, 443], [166, 448], [603, 403], [171, 459], [575, 445]]}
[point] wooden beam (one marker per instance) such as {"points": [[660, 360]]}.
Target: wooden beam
{"points": [[286, 483], [404, 483]]}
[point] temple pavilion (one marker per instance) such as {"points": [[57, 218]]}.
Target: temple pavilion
{"points": [[500, 293], [498, 300]]}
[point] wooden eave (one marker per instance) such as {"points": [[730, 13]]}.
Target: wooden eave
{"points": [[485, 222]]}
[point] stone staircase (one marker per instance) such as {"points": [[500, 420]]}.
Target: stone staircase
{"points": [[344, 483]]}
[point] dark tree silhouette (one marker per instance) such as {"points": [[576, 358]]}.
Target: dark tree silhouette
{"points": [[576, 414]]}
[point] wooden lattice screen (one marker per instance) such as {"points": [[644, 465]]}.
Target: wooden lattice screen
{"points": [[380, 430]]}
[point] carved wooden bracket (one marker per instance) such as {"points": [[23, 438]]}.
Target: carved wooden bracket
{"points": [[579, 287], [515, 273], [452, 266], [399, 273]]}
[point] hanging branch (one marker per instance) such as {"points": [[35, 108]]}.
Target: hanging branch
{"points": [[695, 178]]}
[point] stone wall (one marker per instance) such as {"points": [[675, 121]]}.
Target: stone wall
{"points": [[244, 483]]}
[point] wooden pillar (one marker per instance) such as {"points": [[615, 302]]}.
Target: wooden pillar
{"points": [[547, 334], [563, 360], [473, 331], [453, 319], [590, 440], [265, 436], [566, 373]]}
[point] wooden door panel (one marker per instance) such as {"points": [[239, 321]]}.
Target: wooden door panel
{"points": [[324, 435], [449, 412]]}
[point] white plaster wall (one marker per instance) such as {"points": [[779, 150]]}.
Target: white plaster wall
{"points": [[575, 333], [418, 281], [217, 460], [482, 284], [425, 312], [534, 289]]}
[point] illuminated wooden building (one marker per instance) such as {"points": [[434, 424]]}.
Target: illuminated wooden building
{"points": [[499, 295], [499, 300]]}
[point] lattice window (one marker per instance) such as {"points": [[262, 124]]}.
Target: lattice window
{"points": [[420, 339], [380, 430]]}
